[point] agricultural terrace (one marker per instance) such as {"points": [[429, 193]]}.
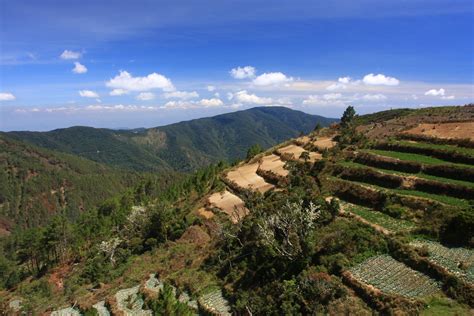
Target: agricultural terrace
{"points": [[246, 177], [378, 218], [230, 204], [274, 164], [459, 261], [393, 277], [295, 152], [444, 130]]}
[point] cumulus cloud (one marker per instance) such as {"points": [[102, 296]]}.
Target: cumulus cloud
{"points": [[380, 79], [244, 97], [374, 97], [435, 93], [69, 54], [211, 102], [7, 96], [145, 96], [88, 94], [332, 99], [127, 82], [183, 95], [117, 92], [243, 72], [181, 104], [79, 68], [439, 93], [211, 88], [271, 79], [344, 80]]}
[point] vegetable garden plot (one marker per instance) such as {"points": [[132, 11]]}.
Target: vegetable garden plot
{"points": [[215, 303], [459, 261], [381, 219], [393, 277]]}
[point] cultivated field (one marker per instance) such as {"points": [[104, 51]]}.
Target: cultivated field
{"points": [[393, 277], [230, 204], [274, 164], [445, 130], [246, 177], [458, 261], [295, 152], [324, 143]]}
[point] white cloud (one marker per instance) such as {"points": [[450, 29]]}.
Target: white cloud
{"points": [[211, 88], [145, 96], [344, 80], [448, 97], [183, 95], [243, 72], [88, 94], [336, 86], [244, 97], [374, 97], [79, 68], [380, 79], [154, 80], [69, 54], [180, 104], [332, 96], [434, 92], [117, 92], [271, 78], [7, 96], [211, 102]]}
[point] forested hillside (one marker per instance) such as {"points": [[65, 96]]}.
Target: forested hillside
{"points": [[37, 183], [182, 146]]}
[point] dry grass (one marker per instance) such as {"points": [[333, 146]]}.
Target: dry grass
{"points": [[445, 130], [246, 177]]}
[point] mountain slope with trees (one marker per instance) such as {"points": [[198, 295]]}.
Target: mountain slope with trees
{"points": [[183, 146]]}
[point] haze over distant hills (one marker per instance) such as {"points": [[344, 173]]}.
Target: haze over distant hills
{"points": [[181, 146]]}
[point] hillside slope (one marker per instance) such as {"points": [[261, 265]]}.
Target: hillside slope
{"points": [[36, 184], [182, 146]]}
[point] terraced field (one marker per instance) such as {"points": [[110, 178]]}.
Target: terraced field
{"points": [[393, 277], [246, 177], [230, 204], [274, 164], [458, 261], [445, 130], [378, 218], [295, 151]]}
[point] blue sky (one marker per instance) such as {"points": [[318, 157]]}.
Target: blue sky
{"points": [[149, 63]]}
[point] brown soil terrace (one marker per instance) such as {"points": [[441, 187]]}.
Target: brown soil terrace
{"points": [[445, 130], [230, 204]]}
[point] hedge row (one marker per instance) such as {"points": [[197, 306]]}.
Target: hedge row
{"points": [[368, 175], [371, 176], [462, 142], [357, 194], [444, 171], [448, 155]]}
